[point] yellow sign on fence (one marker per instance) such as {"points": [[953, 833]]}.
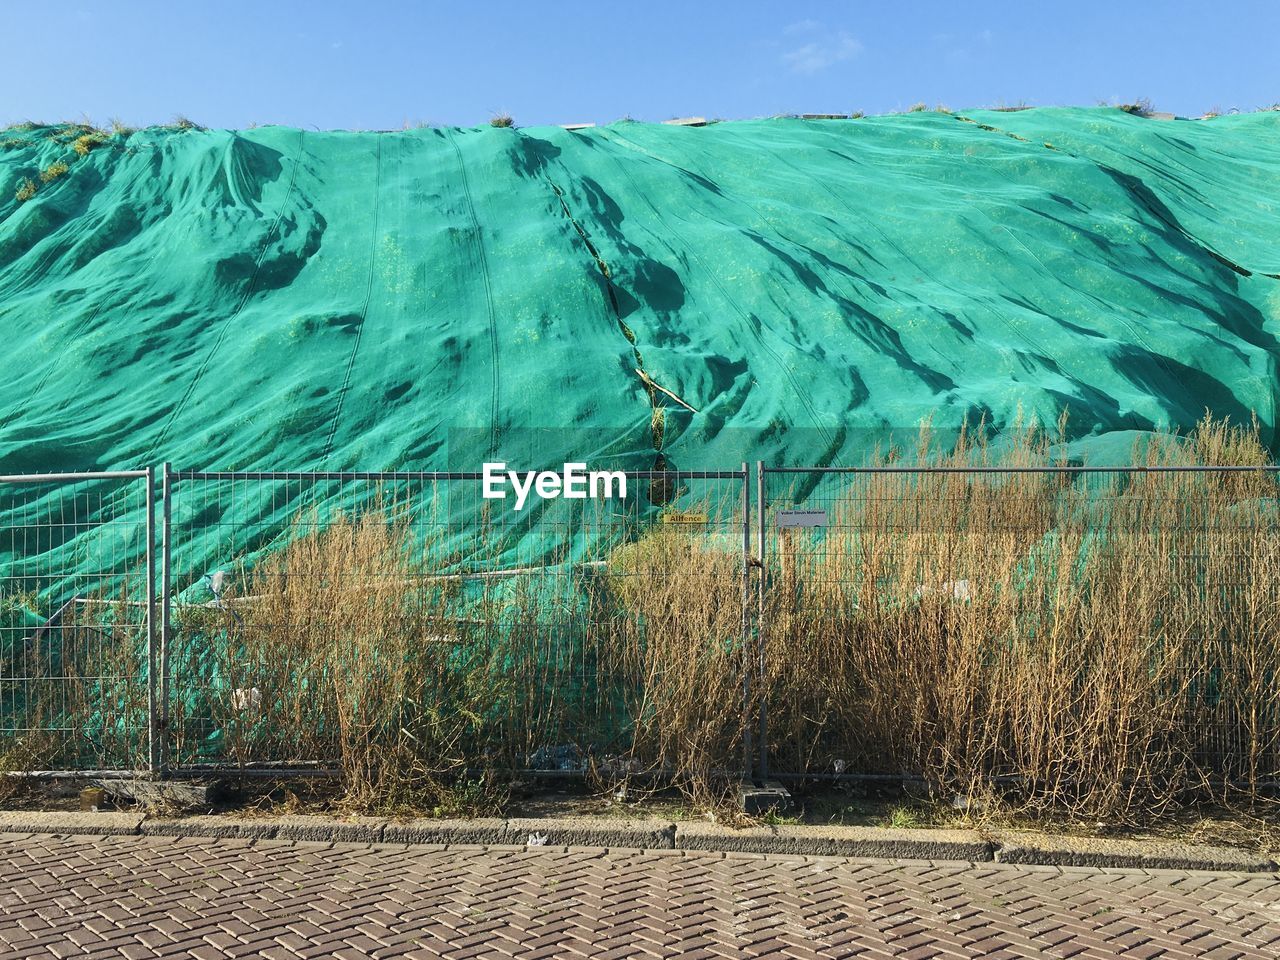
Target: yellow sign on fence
{"points": [[685, 518]]}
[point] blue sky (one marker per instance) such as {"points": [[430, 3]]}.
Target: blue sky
{"points": [[380, 65]]}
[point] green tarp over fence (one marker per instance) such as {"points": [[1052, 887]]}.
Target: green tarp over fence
{"points": [[783, 289]]}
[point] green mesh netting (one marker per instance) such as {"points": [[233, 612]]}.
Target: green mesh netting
{"points": [[785, 290]]}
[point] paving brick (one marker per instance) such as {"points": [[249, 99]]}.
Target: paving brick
{"points": [[150, 895]]}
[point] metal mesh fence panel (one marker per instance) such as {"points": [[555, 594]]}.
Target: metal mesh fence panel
{"points": [[368, 622], [1051, 627], [75, 563], [1054, 628]]}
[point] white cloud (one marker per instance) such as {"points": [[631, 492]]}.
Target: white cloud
{"points": [[801, 26], [961, 49], [821, 54]]}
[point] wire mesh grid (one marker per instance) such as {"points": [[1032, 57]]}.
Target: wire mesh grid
{"points": [[312, 614], [1039, 623], [898, 616], [75, 561]]}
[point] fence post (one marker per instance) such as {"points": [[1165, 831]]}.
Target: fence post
{"points": [[762, 507], [746, 622], [166, 588], [153, 719]]}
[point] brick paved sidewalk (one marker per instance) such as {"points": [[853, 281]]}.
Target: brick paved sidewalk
{"points": [[137, 897]]}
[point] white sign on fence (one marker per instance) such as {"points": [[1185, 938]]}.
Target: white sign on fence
{"points": [[802, 518]]}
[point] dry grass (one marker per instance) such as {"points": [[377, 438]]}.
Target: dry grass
{"points": [[87, 142], [1142, 107], [354, 646], [1103, 645], [673, 620], [1100, 646], [340, 653], [53, 171], [75, 695]]}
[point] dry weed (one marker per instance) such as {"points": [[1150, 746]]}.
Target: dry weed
{"points": [[1100, 643]]}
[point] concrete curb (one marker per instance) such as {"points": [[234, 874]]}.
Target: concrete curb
{"points": [[210, 826], [100, 824], [485, 831], [869, 842], [1050, 849], [324, 829], [582, 832], [838, 842]]}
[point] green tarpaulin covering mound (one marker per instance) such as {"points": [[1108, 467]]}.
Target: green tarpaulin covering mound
{"points": [[275, 298], [781, 289]]}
